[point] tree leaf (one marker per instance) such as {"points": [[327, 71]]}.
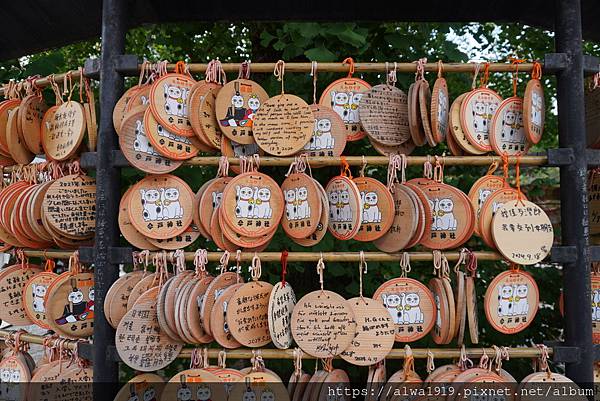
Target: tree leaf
{"points": [[320, 54]]}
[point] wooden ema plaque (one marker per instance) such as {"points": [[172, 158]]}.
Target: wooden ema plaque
{"points": [[345, 207], [218, 318], [455, 149], [522, 232], [415, 126], [210, 199], [453, 217], [424, 105], [378, 209], [169, 103], [440, 110], [34, 297], [472, 317], [323, 324], [236, 106], [194, 384], [534, 111], [337, 382], [481, 190], [489, 208], [138, 150], [281, 305], [31, 112], [14, 140], [252, 204], [444, 312], [404, 222], [328, 134], [375, 333], [476, 113], [595, 295], [283, 125], [411, 306], [263, 386], [383, 112], [143, 387], [405, 149], [127, 229], [303, 205], [70, 305], [15, 377], [12, 281], [160, 207], [460, 298], [215, 288], [6, 107], [115, 302], [140, 342], [203, 116], [247, 314], [322, 225], [456, 129], [63, 130], [140, 97], [511, 301], [193, 310], [69, 206], [507, 133], [344, 96], [181, 241], [121, 108], [169, 144]]}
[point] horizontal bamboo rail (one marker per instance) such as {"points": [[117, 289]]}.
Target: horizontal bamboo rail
{"points": [[374, 160], [58, 78], [358, 67], [48, 253], [339, 256], [36, 339], [399, 353]]}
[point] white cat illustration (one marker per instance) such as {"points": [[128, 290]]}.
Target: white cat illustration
{"points": [[334, 206], [244, 202], [172, 208], [152, 204], [340, 103], [141, 143], [175, 100], [505, 300], [303, 208], [39, 292], [371, 212], [262, 200], [290, 204], [443, 215]]}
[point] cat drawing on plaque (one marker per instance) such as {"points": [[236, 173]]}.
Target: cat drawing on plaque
{"points": [[253, 202], [296, 204], [176, 100], [39, 294], [404, 307], [241, 113], [322, 138], [371, 212], [77, 309], [141, 142], [161, 204], [443, 215], [512, 300]]}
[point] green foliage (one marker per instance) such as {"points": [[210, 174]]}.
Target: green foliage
{"points": [[365, 42]]}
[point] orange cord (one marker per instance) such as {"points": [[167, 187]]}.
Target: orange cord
{"points": [[180, 67], [486, 75], [345, 169], [536, 72], [505, 169], [350, 61], [516, 61]]}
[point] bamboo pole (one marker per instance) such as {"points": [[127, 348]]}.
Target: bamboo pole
{"points": [[375, 160], [358, 67], [342, 257], [36, 339], [398, 353], [58, 78], [48, 253]]}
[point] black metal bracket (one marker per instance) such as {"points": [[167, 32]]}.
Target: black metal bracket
{"points": [[92, 68], [555, 62], [591, 64], [593, 157], [126, 65], [563, 254], [562, 353], [121, 254], [594, 253], [560, 157], [86, 351], [86, 254]]}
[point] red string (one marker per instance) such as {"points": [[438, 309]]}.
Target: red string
{"points": [[350, 61], [180, 67], [536, 72], [345, 169], [518, 179], [505, 169], [284, 257]]}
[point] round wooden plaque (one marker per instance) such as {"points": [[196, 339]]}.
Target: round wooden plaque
{"points": [[414, 115], [595, 298], [440, 110], [70, 305], [481, 190], [193, 310], [218, 318], [476, 113], [210, 199], [12, 282], [128, 231], [15, 377], [424, 105], [337, 382], [522, 232], [247, 314], [455, 149], [383, 112], [442, 327], [321, 229], [329, 133], [252, 204], [236, 106], [141, 97], [511, 301], [203, 116], [323, 324], [31, 112], [215, 288], [460, 298], [345, 207], [453, 217], [63, 131], [411, 306], [139, 340], [115, 302], [259, 386], [69, 206], [344, 96], [167, 143], [169, 103], [534, 111], [34, 297], [143, 387], [195, 384], [507, 133], [17, 147], [405, 149], [488, 210], [456, 129], [303, 205], [160, 207], [472, 316], [378, 211], [283, 125], [138, 150], [375, 333], [6, 107], [121, 108], [281, 305]]}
